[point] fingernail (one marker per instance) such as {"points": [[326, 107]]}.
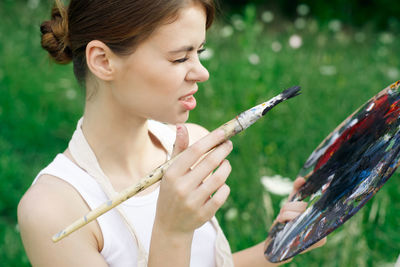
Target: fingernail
{"points": [[179, 129], [221, 133], [229, 143]]}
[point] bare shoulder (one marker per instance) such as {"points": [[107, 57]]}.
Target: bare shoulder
{"points": [[46, 208], [49, 194]]}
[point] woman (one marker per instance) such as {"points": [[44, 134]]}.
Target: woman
{"points": [[138, 61]]}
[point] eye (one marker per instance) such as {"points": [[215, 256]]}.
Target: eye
{"points": [[201, 51], [181, 60]]}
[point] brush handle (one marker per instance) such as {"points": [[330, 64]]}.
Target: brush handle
{"points": [[230, 128]]}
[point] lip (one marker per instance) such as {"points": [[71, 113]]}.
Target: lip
{"points": [[189, 94], [188, 101]]}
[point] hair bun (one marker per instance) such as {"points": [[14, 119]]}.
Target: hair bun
{"points": [[55, 36]]}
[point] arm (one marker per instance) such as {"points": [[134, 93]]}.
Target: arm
{"points": [[48, 206], [184, 203], [253, 256]]}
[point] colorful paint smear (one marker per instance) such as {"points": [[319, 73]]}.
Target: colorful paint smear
{"points": [[342, 174]]}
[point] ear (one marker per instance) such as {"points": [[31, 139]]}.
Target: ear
{"points": [[99, 59]]}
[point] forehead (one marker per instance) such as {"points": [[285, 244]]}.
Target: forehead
{"points": [[188, 28]]}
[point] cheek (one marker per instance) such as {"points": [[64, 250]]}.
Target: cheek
{"points": [[162, 78], [151, 90]]}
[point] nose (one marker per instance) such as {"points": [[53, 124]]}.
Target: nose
{"points": [[198, 73]]}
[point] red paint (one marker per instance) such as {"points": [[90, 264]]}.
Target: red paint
{"points": [[381, 104]]}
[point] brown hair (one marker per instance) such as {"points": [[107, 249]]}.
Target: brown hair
{"points": [[120, 24]]}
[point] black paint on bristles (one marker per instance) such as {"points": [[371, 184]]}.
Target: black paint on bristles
{"points": [[291, 92], [288, 93], [269, 108]]}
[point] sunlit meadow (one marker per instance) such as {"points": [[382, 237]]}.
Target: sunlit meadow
{"points": [[251, 57]]}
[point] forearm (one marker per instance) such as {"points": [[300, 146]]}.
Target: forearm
{"points": [[253, 256], [167, 249]]}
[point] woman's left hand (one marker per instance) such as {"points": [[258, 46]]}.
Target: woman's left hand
{"points": [[254, 256], [291, 210]]}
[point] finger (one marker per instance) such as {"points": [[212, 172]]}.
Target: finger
{"points": [[319, 243], [193, 153], [287, 216], [216, 201], [297, 206], [297, 184], [208, 164], [181, 140], [316, 245], [212, 183]]}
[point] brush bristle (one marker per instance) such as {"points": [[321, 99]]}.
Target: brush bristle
{"points": [[291, 92], [288, 93]]}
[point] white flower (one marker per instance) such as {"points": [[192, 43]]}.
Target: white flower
{"points": [[33, 4], [303, 10], [231, 214], [300, 23], [68, 85], [295, 41], [70, 94], [65, 83], [327, 70], [393, 73], [342, 38], [276, 46], [267, 16], [207, 54], [277, 184], [254, 59], [226, 31], [238, 23], [386, 38], [335, 25]]}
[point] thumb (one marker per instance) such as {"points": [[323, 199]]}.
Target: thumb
{"points": [[182, 139], [298, 183]]}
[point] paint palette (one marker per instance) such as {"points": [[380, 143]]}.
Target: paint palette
{"points": [[342, 174]]}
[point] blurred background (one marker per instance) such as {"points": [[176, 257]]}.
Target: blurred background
{"points": [[340, 52]]}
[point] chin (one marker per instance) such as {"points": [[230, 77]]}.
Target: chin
{"points": [[174, 119], [181, 119]]}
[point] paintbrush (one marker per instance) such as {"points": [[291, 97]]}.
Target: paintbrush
{"points": [[231, 128]]}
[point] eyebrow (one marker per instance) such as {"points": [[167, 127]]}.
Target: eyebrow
{"points": [[187, 48]]}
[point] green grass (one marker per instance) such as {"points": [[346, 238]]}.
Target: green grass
{"points": [[40, 103]]}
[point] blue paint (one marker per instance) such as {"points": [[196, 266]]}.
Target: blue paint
{"points": [[361, 155]]}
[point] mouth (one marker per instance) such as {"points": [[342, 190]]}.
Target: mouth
{"points": [[188, 101]]}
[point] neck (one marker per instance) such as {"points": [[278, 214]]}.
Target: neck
{"points": [[122, 144]]}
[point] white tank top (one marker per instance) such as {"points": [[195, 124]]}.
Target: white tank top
{"points": [[120, 247]]}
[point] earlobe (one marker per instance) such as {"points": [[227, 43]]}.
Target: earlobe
{"points": [[99, 60]]}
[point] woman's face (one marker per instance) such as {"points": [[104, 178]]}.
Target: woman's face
{"points": [[159, 79]]}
